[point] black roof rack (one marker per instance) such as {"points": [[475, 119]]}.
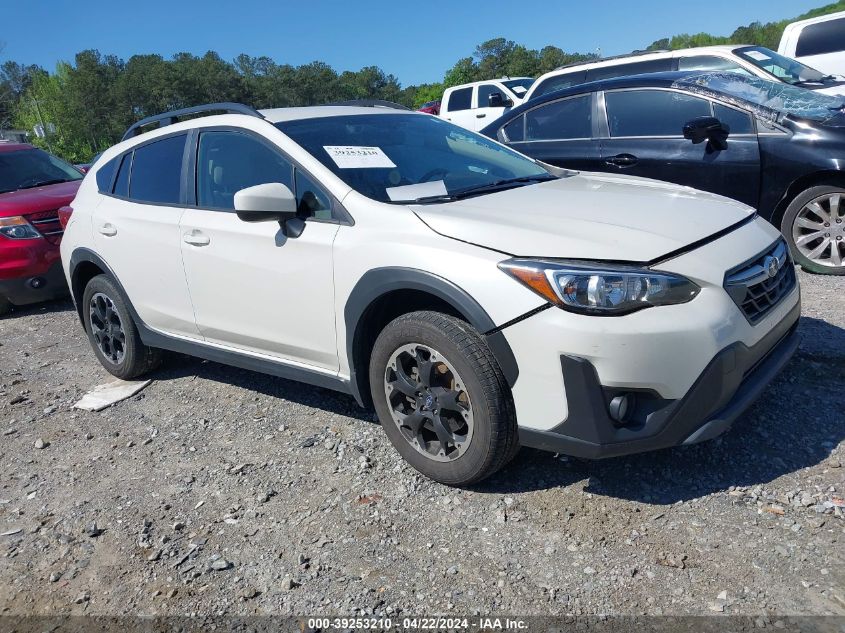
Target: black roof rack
{"points": [[610, 58], [169, 118], [369, 103]]}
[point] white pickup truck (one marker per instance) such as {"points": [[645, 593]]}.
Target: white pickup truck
{"points": [[476, 104]]}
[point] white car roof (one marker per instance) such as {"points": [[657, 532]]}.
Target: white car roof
{"points": [[487, 81], [277, 115], [818, 18]]}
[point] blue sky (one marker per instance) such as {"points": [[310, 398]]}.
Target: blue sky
{"points": [[416, 41]]}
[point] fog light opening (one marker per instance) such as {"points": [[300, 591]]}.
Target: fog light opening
{"points": [[37, 282], [620, 407]]}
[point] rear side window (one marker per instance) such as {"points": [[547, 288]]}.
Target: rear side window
{"points": [[157, 171], [560, 82], [821, 38], [739, 122], [121, 183], [460, 100], [105, 175], [230, 161], [652, 112], [566, 119], [633, 68]]}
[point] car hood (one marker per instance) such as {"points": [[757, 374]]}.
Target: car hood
{"points": [[587, 216], [37, 199]]}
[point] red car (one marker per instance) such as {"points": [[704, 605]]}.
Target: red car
{"points": [[34, 185], [430, 107]]}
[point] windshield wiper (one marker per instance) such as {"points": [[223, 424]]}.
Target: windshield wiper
{"points": [[44, 183], [498, 185]]}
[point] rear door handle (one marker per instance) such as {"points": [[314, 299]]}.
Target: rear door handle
{"points": [[622, 160], [107, 229], [196, 238]]}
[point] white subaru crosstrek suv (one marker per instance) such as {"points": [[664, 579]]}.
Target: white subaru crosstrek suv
{"points": [[477, 299]]}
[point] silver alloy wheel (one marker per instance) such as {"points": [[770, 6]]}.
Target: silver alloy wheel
{"points": [[107, 328], [819, 230], [428, 402]]}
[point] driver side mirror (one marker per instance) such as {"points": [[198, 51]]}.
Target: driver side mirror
{"points": [[270, 202], [707, 128], [497, 100]]}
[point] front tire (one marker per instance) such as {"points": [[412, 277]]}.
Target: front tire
{"points": [[5, 306], [112, 332], [814, 228], [442, 399]]}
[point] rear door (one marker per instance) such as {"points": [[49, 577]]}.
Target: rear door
{"points": [[644, 137], [136, 232], [458, 108], [559, 133]]}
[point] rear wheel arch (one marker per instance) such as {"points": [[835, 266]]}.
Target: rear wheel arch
{"points": [[383, 294]]}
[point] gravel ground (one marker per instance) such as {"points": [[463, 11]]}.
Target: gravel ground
{"points": [[220, 491]]}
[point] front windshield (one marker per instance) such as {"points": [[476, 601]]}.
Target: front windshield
{"points": [[28, 168], [772, 95], [518, 86], [408, 157], [785, 69]]}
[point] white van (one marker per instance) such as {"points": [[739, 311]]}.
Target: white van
{"points": [[756, 61], [476, 104], [818, 42]]}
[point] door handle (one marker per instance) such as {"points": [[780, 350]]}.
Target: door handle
{"points": [[480, 116], [196, 238], [622, 160], [107, 229]]}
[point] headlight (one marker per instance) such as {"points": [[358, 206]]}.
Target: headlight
{"points": [[17, 228], [600, 289]]}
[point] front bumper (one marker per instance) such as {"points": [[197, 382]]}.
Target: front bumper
{"points": [[729, 384], [34, 287]]}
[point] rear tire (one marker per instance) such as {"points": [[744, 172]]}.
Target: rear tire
{"points": [[5, 306], [112, 332], [442, 399], [814, 228]]}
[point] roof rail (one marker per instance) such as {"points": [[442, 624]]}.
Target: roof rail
{"points": [[369, 103], [169, 118], [610, 58]]}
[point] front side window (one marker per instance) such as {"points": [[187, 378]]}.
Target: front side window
{"points": [[230, 161], [484, 92], [157, 171], [566, 119], [404, 157], [28, 168], [652, 112], [460, 100], [709, 62], [822, 38]]}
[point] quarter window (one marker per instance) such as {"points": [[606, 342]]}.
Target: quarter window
{"points": [[230, 161], [157, 171], [105, 174], [121, 183], [652, 112], [821, 38], [460, 100], [311, 200], [566, 119]]}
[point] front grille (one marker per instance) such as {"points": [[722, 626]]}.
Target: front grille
{"points": [[47, 223], [757, 286]]}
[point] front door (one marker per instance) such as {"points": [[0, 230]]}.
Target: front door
{"points": [[646, 139], [254, 289]]}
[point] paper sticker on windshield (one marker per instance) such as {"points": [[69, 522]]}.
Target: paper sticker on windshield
{"points": [[357, 156], [760, 57]]}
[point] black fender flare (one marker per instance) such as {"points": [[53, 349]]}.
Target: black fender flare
{"points": [[380, 281], [81, 255]]}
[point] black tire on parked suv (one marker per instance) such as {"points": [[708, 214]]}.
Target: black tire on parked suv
{"points": [[5, 306], [442, 399], [814, 228], [113, 333]]}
